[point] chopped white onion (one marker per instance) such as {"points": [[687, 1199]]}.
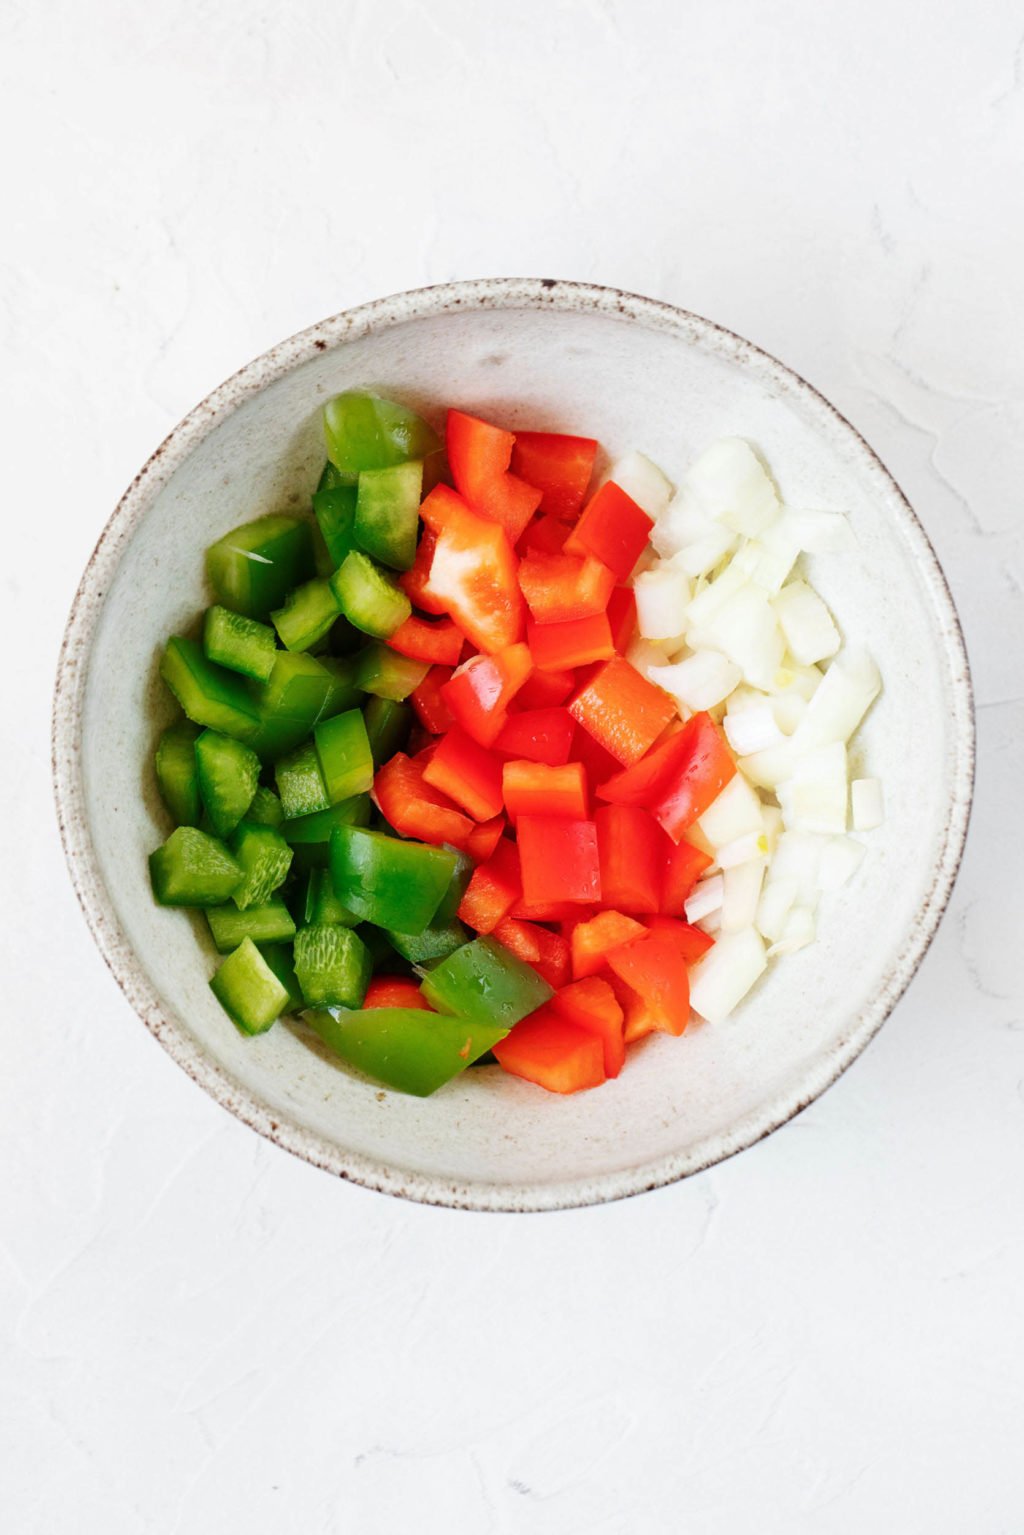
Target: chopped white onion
{"points": [[820, 532], [811, 634], [732, 813], [741, 893], [841, 857], [731, 484], [644, 482], [777, 900], [798, 931], [867, 806], [767, 561], [767, 769], [701, 557], [848, 689], [708, 602], [752, 728], [645, 656], [815, 797], [722, 977], [746, 629], [700, 681], [771, 817], [797, 857], [684, 522], [753, 844], [662, 598], [705, 897]]}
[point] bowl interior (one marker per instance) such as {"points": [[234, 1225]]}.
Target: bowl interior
{"points": [[634, 376]]}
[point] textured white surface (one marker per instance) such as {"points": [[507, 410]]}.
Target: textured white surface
{"points": [[199, 1333]]}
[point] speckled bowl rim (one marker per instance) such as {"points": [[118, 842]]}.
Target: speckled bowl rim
{"points": [[382, 314]]}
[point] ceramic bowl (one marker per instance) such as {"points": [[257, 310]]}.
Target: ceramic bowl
{"points": [[634, 373]]}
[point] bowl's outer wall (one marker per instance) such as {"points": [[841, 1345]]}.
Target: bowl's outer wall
{"points": [[634, 374]]}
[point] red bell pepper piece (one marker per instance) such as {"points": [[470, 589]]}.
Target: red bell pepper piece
{"points": [[535, 788], [592, 1005], [493, 889], [546, 951], [565, 912], [428, 701], [440, 641], [543, 690], [414, 808], [622, 617], [415, 582], [468, 773], [560, 587], [559, 647], [481, 689], [545, 535], [558, 465], [691, 942], [591, 940], [642, 782], [473, 571], [482, 840], [639, 1018], [539, 735], [559, 859], [395, 991], [599, 764], [683, 868], [613, 529], [632, 848], [622, 710], [478, 456], [546, 1049], [655, 969], [697, 778]]}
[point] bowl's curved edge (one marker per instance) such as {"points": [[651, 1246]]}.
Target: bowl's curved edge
{"points": [[534, 293]]}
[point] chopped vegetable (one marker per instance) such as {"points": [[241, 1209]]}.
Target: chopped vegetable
{"points": [[248, 989]]}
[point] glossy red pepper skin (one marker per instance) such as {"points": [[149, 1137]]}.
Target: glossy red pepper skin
{"points": [[697, 778], [538, 735], [633, 849], [494, 887], [613, 529], [468, 773], [414, 808], [591, 1004], [561, 587], [535, 788], [622, 710], [439, 641], [480, 690], [691, 942], [428, 701], [559, 861], [558, 465], [655, 969], [478, 456], [592, 940], [577, 642], [415, 582], [684, 865], [548, 1050], [546, 951], [473, 571]]}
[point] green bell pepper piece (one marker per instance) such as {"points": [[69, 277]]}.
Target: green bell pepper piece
{"points": [[320, 904], [209, 694], [263, 924], [254, 567], [192, 869], [405, 1048], [331, 479], [452, 898], [397, 885], [434, 943], [365, 432], [229, 775], [335, 511], [368, 596], [265, 809], [176, 775], [307, 615], [388, 722], [317, 827], [387, 516], [248, 990], [343, 751], [343, 692], [280, 958], [300, 783], [290, 703], [482, 982], [384, 673], [241, 644], [332, 964], [265, 858]]}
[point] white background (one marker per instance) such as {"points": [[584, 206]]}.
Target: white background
{"points": [[199, 1333]]}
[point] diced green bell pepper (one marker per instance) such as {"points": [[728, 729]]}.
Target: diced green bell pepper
{"points": [[406, 1048], [344, 692], [176, 774], [482, 982], [239, 643], [254, 567], [331, 479], [343, 751], [229, 775], [265, 809], [384, 673], [388, 721], [381, 952], [452, 898], [248, 990], [265, 858], [307, 615], [300, 783], [209, 694], [335, 513], [280, 958], [271, 923], [290, 703], [388, 513], [368, 597], [435, 942], [397, 885], [192, 869], [332, 965], [321, 904], [365, 432], [317, 827]]}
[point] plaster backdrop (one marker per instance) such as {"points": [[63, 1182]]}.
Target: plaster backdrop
{"points": [[199, 1333]]}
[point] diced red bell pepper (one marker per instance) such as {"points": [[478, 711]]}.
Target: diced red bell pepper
{"points": [[478, 456], [691, 942], [546, 951], [565, 912], [545, 535], [639, 1018], [483, 839], [395, 991], [613, 529], [422, 640], [592, 1005], [697, 778], [543, 690], [622, 710], [654, 967], [414, 807], [534, 788], [493, 889], [539, 735], [622, 617], [558, 465], [559, 647], [428, 701], [644, 780], [468, 773], [561, 587], [473, 571], [683, 868], [415, 582], [558, 859], [599, 764], [481, 689], [546, 1049], [632, 848], [592, 940]]}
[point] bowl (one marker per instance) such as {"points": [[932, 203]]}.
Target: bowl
{"points": [[635, 373]]}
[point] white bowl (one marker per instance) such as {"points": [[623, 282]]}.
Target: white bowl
{"points": [[634, 373]]}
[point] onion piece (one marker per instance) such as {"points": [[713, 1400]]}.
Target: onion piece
{"points": [[747, 631], [778, 898], [722, 977], [701, 557], [815, 797], [644, 482], [752, 728], [753, 844], [847, 691], [706, 604], [797, 857], [841, 857], [768, 563], [867, 805], [732, 813], [820, 532], [705, 897], [811, 634], [732, 485], [700, 681], [741, 893], [798, 930], [662, 597], [645, 656]]}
